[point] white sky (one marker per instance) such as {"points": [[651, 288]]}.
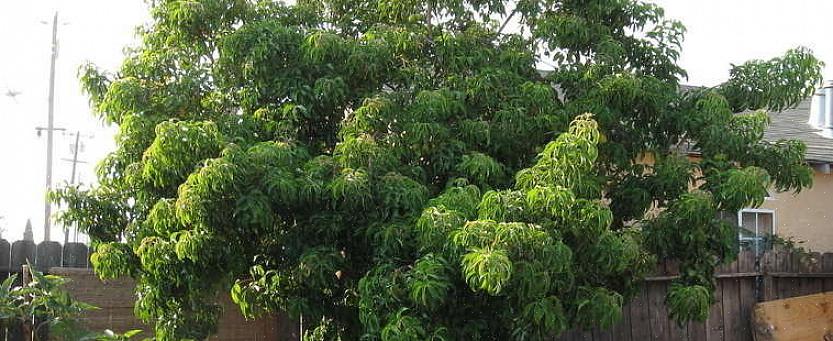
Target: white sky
{"points": [[720, 32]]}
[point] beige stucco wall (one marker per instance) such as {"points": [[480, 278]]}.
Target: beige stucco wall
{"points": [[807, 216]]}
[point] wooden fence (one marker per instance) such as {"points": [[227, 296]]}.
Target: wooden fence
{"points": [[740, 285]]}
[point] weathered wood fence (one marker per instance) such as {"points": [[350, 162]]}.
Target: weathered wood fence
{"points": [[740, 285]]}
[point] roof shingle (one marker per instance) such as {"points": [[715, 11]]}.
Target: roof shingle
{"points": [[792, 124]]}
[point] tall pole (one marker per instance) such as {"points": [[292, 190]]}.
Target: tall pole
{"points": [[72, 179], [75, 156], [47, 223]]}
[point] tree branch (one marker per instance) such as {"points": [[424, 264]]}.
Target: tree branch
{"points": [[506, 21]]}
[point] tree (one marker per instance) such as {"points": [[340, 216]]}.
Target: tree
{"points": [[401, 170]]}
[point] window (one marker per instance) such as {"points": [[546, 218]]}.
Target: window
{"points": [[755, 227]]}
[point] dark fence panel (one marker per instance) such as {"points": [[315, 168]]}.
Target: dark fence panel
{"points": [[75, 255], [23, 251], [48, 255], [740, 285]]}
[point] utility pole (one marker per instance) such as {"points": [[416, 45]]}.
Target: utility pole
{"points": [[75, 161], [75, 148], [47, 223]]}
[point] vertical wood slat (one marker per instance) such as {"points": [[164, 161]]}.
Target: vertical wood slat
{"points": [[827, 266], [697, 331], [640, 315], [781, 265], [714, 324], [658, 312], [622, 330], [767, 265], [731, 304], [746, 264], [571, 335], [796, 266], [601, 334], [813, 265]]}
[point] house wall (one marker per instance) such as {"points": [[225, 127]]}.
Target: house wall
{"points": [[807, 216]]}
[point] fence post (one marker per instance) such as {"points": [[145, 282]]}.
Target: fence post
{"points": [[768, 284]]}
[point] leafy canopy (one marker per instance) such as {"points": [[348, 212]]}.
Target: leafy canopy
{"points": [[402, 170]]}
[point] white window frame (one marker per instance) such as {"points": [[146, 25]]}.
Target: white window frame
{"points": [[757, 210]]}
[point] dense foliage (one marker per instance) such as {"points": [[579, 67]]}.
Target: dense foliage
{"points": [[402, 169]]}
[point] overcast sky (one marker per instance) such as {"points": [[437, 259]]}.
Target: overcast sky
{"points": [[720, 32]]}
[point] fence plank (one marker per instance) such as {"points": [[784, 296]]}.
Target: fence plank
{"points": [[15, 333], [658, 311], [746, 263], [782, 262], [813, 285], [640, 315], [677, 331], [600, 334], [697, 331], [795, 289], [569, 335], [827, 266], [731, 304], [767, 264], [799, 265], [714, 325], [622, 330]]}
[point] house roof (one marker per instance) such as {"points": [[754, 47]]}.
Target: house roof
{"points": [[792, 124]]}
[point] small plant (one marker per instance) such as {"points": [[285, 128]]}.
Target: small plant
{"points": [[41, 303]]}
